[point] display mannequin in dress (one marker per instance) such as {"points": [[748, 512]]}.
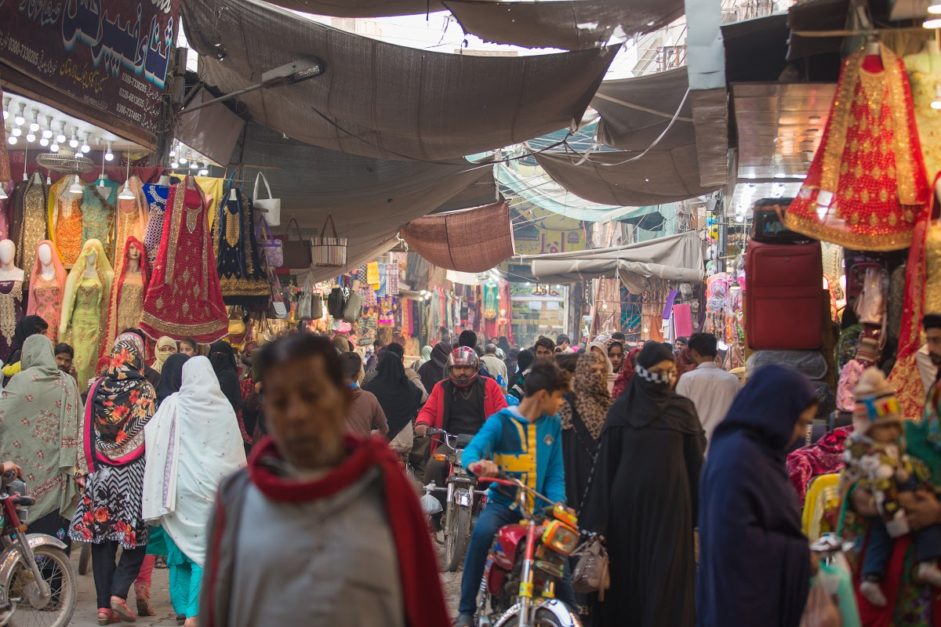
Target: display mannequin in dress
{"points": [[84, 307], [924, 74], [66, 227], [127, 294], [11, 296], [46, 287]]}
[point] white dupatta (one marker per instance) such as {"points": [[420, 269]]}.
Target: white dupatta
{"points": [[193, 442]]}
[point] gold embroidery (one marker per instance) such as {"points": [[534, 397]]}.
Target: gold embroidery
{"points": [[883, 195], [220, 327], [893, 219], [8, 304], [179, 196], [192, 215], [873, 220], [232, 227], [848, 239], [877, 172], [864, 196]]}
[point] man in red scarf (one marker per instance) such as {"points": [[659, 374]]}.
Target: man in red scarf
{"points": [[322, 528]]}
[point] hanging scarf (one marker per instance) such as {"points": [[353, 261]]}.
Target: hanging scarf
{"points": [[418, 567], [41, 414], [105, 277], [120, 404], [114, 296], [160, 356], [399, 398], [592, 399]]}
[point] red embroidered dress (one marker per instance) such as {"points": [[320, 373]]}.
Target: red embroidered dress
{"points": [[866, 187], [183, 297]]}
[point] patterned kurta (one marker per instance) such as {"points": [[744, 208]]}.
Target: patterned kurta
{"points": [[157, 201], [98, 213], [11, 310], [866, 187], [84, 331], [184, 298], [69, 230], [30, 221], [240, 274], [48, 304]]}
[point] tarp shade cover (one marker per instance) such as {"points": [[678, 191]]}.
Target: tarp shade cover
{"points": [[675, 258], [361, 8], [472, 240], [213, 131], [370, 199], [566, 24], [381, 100]]}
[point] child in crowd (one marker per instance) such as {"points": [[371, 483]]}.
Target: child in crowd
{"points": [[875, 457]]}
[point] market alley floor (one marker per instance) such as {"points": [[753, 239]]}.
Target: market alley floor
{"points": [[85, 612]]}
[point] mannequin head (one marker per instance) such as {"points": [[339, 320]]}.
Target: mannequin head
{"points": [[133, 253], [92, 260], [7, 252], [45, 254]]}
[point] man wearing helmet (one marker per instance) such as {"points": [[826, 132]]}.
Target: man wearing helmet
{"points": [[459, 404]]}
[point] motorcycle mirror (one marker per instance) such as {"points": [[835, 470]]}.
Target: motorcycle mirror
{"points": [[430, 505]]}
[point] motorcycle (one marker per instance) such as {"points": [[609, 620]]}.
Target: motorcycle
{"points": [[525, 558], [37, 583], [462, 502]]}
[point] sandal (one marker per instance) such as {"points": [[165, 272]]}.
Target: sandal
{"points": [[144, 609], [180, 619], [120, 608], [107, 617]]}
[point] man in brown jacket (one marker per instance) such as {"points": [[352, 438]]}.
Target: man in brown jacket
{"points": [[365, 414]]}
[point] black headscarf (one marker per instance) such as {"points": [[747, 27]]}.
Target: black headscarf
{"points": [[432, 371], [524, 360], [27, 326], [647, 403], [222, 358], [400, 398], [171, 376]]}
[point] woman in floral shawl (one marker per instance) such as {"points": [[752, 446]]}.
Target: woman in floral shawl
{"points": [[40, 418], [109, 514]]}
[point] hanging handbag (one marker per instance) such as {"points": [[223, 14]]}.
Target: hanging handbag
{"points": [[328, 251], [304, 297], [353, 308], [336, 302], [316, 306], [269, 207], [296, 251], [270, 247], [591, 573]]}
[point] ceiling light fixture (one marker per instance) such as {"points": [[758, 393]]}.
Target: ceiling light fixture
{"points": [[43, 141], [934, 9], [73, 142], [932, 23], [18, 119], [54, 147], [12, 140], [126, 193], [30, 137], [109, 156], [76, 187]]}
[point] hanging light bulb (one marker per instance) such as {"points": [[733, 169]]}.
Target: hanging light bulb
{"points": [[16, 132], [182, 160], [43, 142], [30, 137], [109, 156], [126, 193], [85, 147], [194, 165], [60, 136], [34, 125], [76, 186], [174, 164], [54, 147], [18, 119], [12, 140], [73, 143], [934, 9]]}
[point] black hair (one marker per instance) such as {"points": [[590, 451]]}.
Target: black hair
{"points": [[525, 359], [931, 321], [617, 335], [299, 346], [377, 343], [352, 363], [190, 341], [567, 361], [614, 343], [136, 332], [545, 375], [545, 343], [396, 348], [467, 338], [705, 344], [62, 347], [563, 339]]}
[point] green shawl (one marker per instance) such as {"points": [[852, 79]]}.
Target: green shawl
{"points": [[40, 428]]}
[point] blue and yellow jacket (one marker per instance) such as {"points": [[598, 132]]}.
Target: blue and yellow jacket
{"points": [[530, 452]]}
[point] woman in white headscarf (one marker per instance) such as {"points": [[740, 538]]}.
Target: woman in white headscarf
{"points": [[193, 442]]}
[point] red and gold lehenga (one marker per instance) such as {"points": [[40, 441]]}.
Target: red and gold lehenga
{"points": [[866, 187], [183, 296]]}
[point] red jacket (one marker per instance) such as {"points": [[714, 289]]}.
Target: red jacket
{"points": [[433, 411]]}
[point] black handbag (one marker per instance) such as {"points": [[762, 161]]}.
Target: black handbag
{"points": [[336, 302]]}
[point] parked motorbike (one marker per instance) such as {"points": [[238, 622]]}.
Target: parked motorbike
{"points": [[37, 583], [526, 562], [462, 502]]}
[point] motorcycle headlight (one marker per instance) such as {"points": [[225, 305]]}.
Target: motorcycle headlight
{"points": [[560, 537]]}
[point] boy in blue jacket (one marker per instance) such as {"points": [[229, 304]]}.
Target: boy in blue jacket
{"points": [[524, 442]]}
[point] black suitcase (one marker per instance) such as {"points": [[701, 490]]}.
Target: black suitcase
{"points": [[767, 225]]}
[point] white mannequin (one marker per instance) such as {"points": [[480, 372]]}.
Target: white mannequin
{"points": [[91, 267], [164, 180], [9, 272], [47, 271]]}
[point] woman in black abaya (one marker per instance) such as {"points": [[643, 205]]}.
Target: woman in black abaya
{"points": [[643, 498]]}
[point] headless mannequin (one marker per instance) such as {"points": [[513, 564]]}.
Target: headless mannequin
{"points": [[9, 272], [47, 271], [91, 267], [164, 180], [927, 61]]}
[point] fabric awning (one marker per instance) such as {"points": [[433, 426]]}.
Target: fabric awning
{"points": [[361, 8], [370, 199], [565, 24], [381, 100], [675, 258], [472, 240]]}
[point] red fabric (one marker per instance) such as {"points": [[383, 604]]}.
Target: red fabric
{"points": [[626, 373], [433, 411], [871, 615], [418, 566], [823, 457], [184, 298]]}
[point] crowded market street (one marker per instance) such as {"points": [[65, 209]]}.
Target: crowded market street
{"points": [[470, 313]]}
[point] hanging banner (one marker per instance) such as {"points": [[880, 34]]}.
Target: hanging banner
{"points": [[107, 62]]}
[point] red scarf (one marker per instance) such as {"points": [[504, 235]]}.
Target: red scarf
{"points": [[418, 567]]}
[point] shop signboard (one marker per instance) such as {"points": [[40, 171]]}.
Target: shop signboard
{"points": [[104, 61]]}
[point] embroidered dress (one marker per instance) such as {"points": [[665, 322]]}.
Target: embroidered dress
{"points": [[924, 73], [156, 196], [68, 229], [98, 212], [29, 220], [130, 221], [866, 187], [240, 276], [126, 300], [183, 298], [11, 310], [45, 294]]}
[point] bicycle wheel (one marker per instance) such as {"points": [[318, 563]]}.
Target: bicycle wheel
{"points": [[23, 591], [456, 536]]}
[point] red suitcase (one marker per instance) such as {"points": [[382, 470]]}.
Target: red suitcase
{"points": [[784, 296]]}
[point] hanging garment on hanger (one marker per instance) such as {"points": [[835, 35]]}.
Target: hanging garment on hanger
{"points": [[242, 280]]}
